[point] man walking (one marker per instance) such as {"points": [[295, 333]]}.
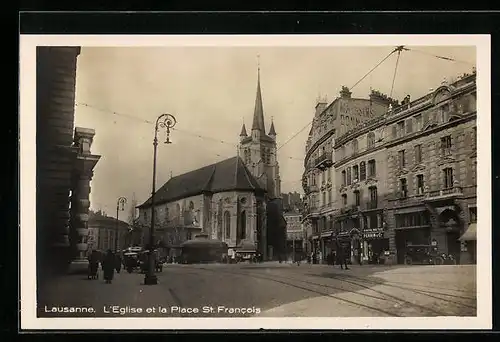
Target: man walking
{"points": [[341, 259]]}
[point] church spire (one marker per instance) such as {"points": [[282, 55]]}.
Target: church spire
{"points": [[272, 131], [258, 114], [243, 131]]}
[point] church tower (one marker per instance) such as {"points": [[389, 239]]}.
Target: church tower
{"points": [[259, 150]]}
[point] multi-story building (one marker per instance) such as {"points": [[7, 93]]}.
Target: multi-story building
{"points": [[320, 181], [407, 177], [64, 165], [431, 171], [236, 200], [295, 240], [106, 232]]}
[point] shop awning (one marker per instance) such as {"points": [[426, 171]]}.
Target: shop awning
{"points": [[409, 210], [470, 233]]}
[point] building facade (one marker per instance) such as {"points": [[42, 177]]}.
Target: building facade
{"points": [[323, 212], [107, 232], [404, 177], [64, 165], [295, 235]]}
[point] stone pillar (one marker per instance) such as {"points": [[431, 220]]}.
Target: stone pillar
{"points": [[83, 172]]}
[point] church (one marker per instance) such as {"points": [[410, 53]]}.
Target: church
{"points": [[237, 200]]}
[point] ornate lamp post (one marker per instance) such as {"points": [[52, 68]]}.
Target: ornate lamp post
{"points": [[166, 121], [120, 205]]}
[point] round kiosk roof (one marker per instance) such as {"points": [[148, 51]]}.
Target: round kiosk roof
{"points": [[202, 241]]}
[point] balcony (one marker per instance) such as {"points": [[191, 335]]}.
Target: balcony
{"points": [[312, 188], [324, 161], [443, 194], [371, 205]]}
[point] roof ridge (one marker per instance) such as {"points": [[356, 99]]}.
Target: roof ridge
{"points": [[246, 175], [208, 184], [236, 172]]}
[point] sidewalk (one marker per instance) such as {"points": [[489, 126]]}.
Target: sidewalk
{"points": [[126, 291]]}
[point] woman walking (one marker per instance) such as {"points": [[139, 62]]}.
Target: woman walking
{"points": [[108, 266]]}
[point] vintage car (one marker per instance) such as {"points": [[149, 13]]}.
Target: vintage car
{"points": [[423, 255]]}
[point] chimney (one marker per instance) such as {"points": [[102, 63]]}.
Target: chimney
{"points": [[345, 93]]}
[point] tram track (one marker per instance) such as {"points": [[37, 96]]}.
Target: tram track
{"points": [[386, 298]]}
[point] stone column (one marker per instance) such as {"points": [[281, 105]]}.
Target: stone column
{"points": [[83, 172]]}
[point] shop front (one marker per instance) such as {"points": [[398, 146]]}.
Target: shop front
{"points": [[375, 245]]}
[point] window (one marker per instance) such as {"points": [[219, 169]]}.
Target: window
{"points": [[344, 199], [342, 119], [371, 168], [373, 197], [420, 184], [371, 140], [329, 173], [401, 159], [145, 216], [330, 197], [446, 145], [362, 171], [357, 197], [324, 198], [322, 176], [409, 126], [355, 171], [401, 129], [394, 132], [355, 146], [227, 224], [473, 215], [403, 188], [448, 177], [344, 178], [418, 154], [418, 122], [348, 176], [243, 225]]}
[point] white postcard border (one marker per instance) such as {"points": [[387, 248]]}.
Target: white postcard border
{"points": [[27, 129]]}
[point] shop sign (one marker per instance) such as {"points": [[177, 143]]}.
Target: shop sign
{"points": [[373, 233]]}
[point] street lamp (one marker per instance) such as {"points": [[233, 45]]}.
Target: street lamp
{"points": [[120, 205], [166, 121]]}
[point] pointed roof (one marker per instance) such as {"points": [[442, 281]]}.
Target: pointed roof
{"points": [[243, 131], [271, 130], [227, 175], [258, 114]]}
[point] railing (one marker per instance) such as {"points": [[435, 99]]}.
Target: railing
{"points": [[372, 205], [457, 190], [324, 160]]}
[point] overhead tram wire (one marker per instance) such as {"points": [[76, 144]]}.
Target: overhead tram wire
{"points": [[375, 67], [132, 117], [399, 49], [439, 57]]}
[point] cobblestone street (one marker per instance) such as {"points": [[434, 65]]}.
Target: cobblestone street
{"points": [[271, 290]]}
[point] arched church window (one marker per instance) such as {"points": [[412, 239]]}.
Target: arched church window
{"points": [[243, 225], [227, 224]]}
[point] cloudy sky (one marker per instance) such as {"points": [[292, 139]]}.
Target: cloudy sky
{"points": [[211, 92]]}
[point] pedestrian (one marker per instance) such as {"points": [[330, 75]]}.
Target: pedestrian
{"points": [[93, 265], [118, 261], [341, 259], [108, 266]]}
